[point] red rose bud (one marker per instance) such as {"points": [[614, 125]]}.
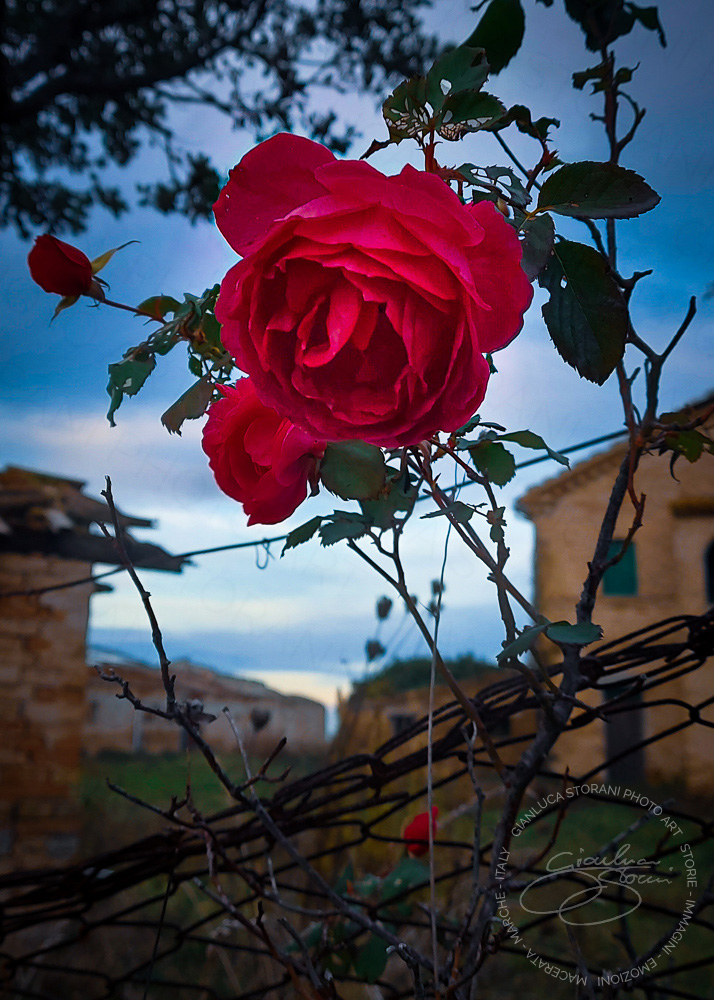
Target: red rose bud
{"points": [[364, 304], [259, 458], [416, 833], [59, 267]]}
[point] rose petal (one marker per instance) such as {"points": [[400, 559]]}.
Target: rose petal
{"points": [[269, 182]]}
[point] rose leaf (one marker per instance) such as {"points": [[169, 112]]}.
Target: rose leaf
{"points": [[302, 534], [353, 470], [537, 238], [596, 191], [500, 32], [189, 406], [463, 68], [493, 460], [579, 635], [125, 379], [586, 314]]}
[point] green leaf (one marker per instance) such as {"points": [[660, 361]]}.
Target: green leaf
{"points": [[311, 936], [537, 238], [353, 470], [691, 444], [523, 643], [367, 886], [125, 379], [500, 32], [211, 330], [408, 873], [398, 495], [103, 259], [159, 305], [461, 512], [342, 524], [493, 460], [586, 314], [345, 880], [649, 18], [499, 182], [469, 111], [527, 439], [189, 406], [497, 521], [463, 68], [596, 191], [520, 114], [405, 111], [371, 960], [594, 75], [581, 634], [302, 534], [195, 366]]}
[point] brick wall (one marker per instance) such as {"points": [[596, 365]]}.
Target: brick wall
{"points": [[42, 709]]}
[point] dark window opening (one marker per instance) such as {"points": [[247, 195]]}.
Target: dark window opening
{"points": [[620, 580], [259, 718], [401, 722], [623, 732], [709, 572]]}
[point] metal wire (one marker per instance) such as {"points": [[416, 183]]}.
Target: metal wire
{"points": [[195, 910]]}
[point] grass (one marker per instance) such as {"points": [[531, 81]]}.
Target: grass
{"points": [[112, 820]]}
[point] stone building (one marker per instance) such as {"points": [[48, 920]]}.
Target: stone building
{"points": [[668, 570], [48, 538], [262, 716]]}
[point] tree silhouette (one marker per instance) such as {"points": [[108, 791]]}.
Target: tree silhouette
{"points": [[85, 84]]}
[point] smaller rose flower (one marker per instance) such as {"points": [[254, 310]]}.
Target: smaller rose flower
{"points": [[416, 833], [259, 458], [59, 267]]}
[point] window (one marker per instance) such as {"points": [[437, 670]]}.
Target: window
{"points": [[620, 580], [259, 718], [709, 572]]}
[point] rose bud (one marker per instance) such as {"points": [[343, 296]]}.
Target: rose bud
{"points": [[416, 833], [259, 458], [365, 304], [59, 267]]}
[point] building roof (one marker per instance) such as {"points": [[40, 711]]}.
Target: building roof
{"points": [[544, 496], [51, 515]]}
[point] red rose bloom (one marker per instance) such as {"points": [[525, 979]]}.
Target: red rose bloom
{"points": [[365, 303], [259, 458], [59, 267], [416, 833]]}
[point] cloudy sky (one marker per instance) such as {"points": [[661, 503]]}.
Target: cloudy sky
{"points": [[301, 622]]}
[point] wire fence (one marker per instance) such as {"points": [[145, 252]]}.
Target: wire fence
{"points": [[307, 890]]}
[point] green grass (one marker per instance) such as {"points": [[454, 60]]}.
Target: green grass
{"points": [[112, 820]]}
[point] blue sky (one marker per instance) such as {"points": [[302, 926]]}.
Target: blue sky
{"points": [[301, 623]]}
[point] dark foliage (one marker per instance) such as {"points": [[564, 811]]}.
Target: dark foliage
{"points": [[84, 84], [409, 675]]}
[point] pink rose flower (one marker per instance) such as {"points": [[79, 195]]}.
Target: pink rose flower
{"points": [[59, 267], [364, 303], [258, 457]]}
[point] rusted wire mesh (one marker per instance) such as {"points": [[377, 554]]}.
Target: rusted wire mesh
{"points": [[245, 903]]}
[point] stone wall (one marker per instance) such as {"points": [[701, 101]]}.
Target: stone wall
{"points": [[42, 709], [670, 550], [263, 716]]}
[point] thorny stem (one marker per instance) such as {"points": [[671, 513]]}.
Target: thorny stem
{"points": [[468, 706], [172, 708]]}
